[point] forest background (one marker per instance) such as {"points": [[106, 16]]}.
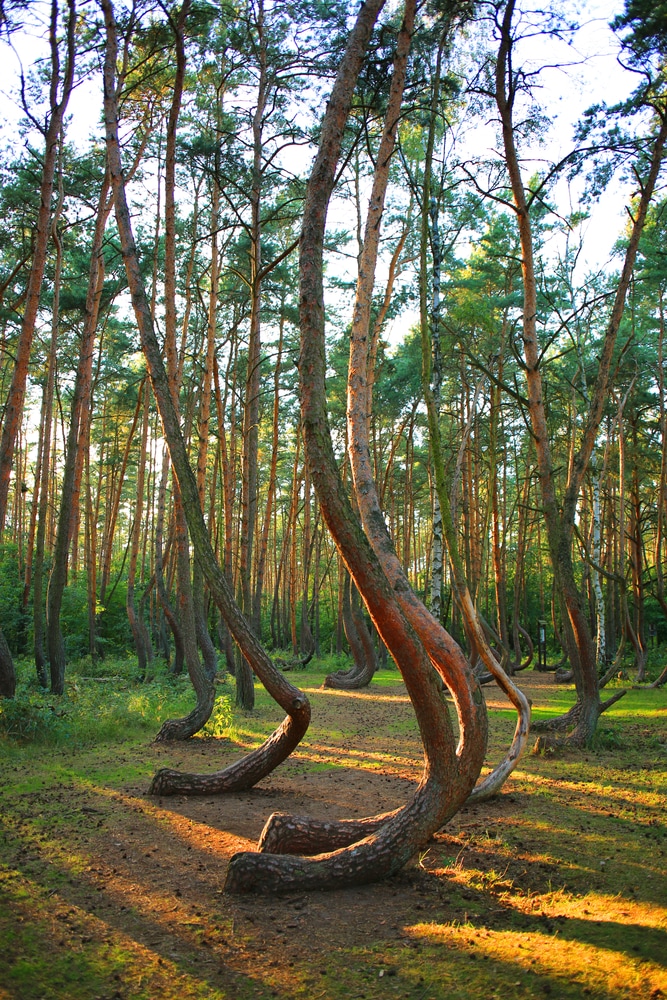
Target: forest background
{"points": [[220, 109]]}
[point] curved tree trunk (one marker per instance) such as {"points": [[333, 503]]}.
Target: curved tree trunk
{"points": [[364, 663], [387, 848], [289, 697], [560, 526], [445, 655], [179, 729]]}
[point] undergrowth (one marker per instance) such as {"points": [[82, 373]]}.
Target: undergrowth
{"points": [[103, 707]]}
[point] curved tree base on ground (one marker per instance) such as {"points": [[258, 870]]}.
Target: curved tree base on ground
{"points": [[284, 833], [245, 773], [449, 771], [291, 699], [383, 852], [575, 721], [494, 781], [361, 645], [530, 651], [657, 683], [183, 729], [358, 676]]}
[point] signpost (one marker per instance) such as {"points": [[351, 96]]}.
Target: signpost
{"points": [[541, 645]]}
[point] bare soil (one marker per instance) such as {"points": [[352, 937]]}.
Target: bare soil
{"points": [[128, 889]]}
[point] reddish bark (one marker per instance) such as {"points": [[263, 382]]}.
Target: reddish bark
{"points": [[448, 774], [560, 525], [291, 699], [13, 411]]}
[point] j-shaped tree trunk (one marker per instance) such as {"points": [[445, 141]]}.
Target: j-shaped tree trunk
{"points": [[184, 728], [373, 848], [560, 519], [364, 663], [437, 641], [280, 744]]}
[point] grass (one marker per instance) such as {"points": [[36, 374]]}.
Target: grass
{"points": [[105, 708], [556, 888]]}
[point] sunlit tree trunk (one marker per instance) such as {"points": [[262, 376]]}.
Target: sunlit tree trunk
{"points": [[389, 840], [76, 440], [279, 745], [46, 467], [560, 525], [245, 691], [13, 410], [139, 633]]}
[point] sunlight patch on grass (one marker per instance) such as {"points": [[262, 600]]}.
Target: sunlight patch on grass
{"points": [[62, 949], [363, 695], [569, 955], [365, 760]]}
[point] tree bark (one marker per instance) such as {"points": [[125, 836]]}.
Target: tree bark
{"points": [[448, 776], [359, 639], [560, 524], [290, 698], [13, 411], [45, 463], [76, 440]]}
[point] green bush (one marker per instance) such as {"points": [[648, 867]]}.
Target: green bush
{"points": [[29, 718], [13, 617], [106, 708]]}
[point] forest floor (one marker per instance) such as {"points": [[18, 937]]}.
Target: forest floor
{"points": [[558, 887]]}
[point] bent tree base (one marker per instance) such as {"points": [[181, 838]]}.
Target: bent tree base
{"points": [[450, 771], [245, 773], [193, 722], [580, 722], [383, 852]]}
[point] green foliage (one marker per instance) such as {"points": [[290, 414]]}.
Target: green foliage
{"points": [[12, 615], [221, 717], [30, 718], [100, 708]]}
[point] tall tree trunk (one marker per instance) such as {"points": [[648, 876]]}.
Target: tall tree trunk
{"points": [[245, 691], [13, 412], [179, 729], [203, 637], [271, 484], [383, 844], [280, 744], [46, 471], [139, 633], [560, 526], [76, 440]]}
